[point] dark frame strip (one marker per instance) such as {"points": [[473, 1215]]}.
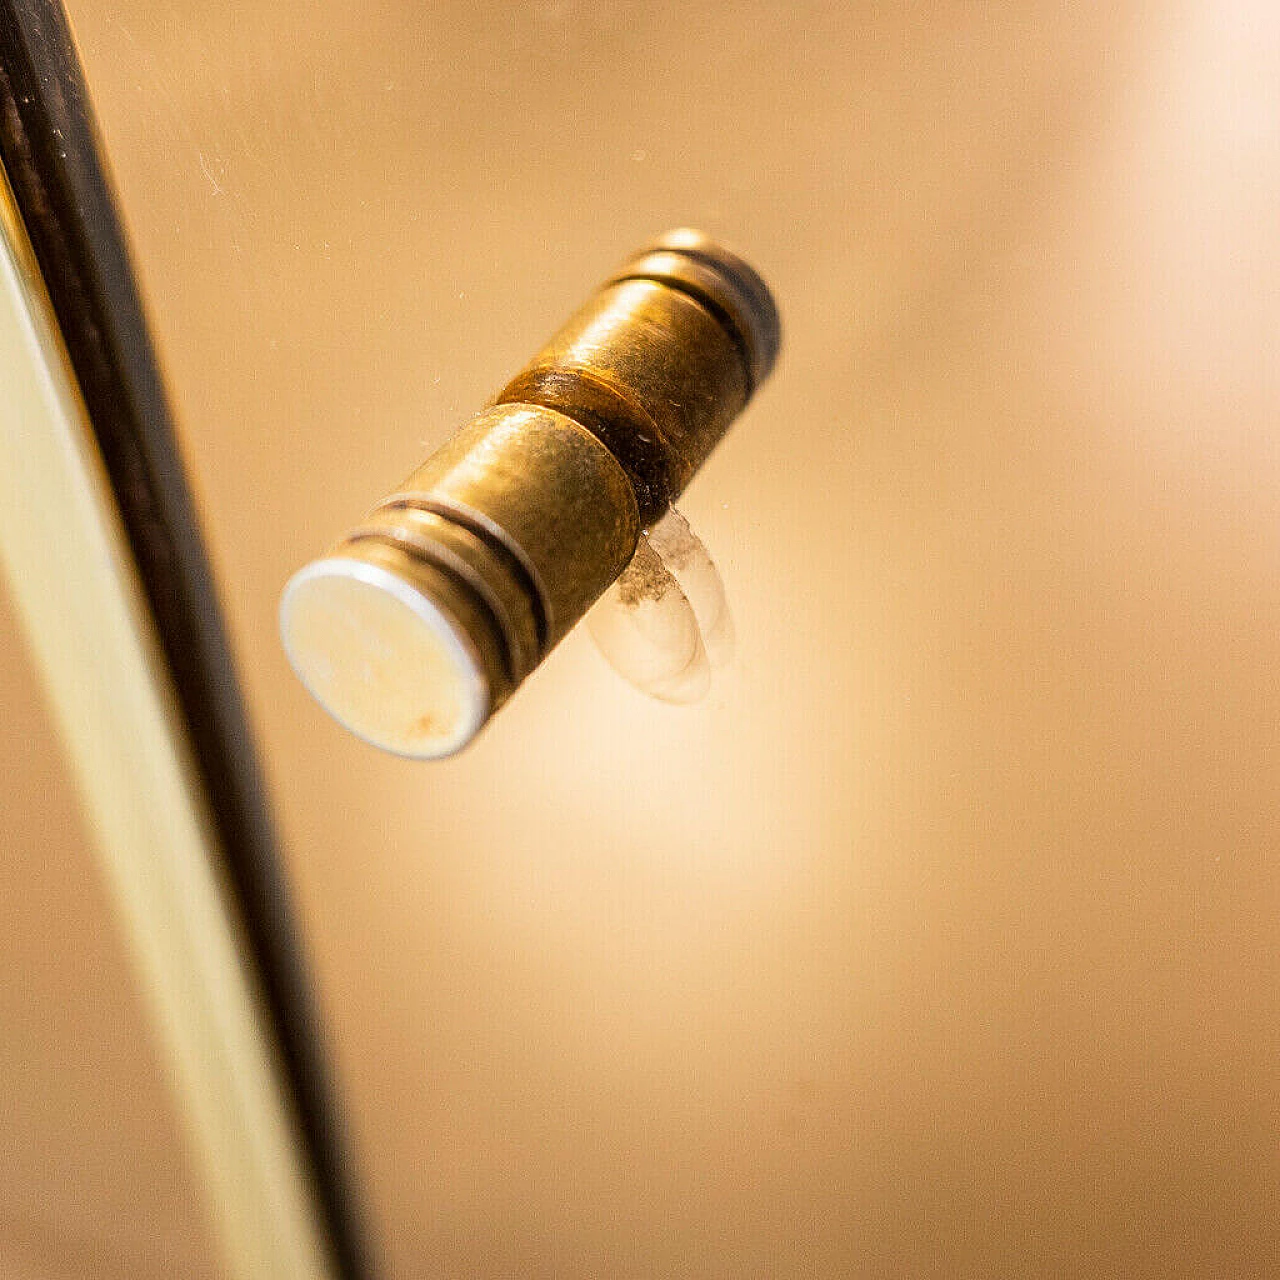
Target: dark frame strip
{"points": [[51, 154]]}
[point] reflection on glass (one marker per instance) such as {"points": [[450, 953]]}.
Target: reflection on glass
{"points": [[665, 623]]}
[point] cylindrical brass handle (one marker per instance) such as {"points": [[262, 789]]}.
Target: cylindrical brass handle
{"points": [[423, 620]]}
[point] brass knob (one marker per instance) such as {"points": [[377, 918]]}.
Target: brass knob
{"points": [[424, 619]]}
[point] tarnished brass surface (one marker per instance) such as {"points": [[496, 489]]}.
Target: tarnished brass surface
{"points": [[544, 495], [660, 361], [495, 547]]}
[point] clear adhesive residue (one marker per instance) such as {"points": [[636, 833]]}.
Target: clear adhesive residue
{"points": [[665, 623]]}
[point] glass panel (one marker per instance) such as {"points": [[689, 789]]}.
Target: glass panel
{"points": [[95, 1175], [941, 937]]}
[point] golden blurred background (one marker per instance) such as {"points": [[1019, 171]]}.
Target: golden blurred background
{"points": [[943, 938]]}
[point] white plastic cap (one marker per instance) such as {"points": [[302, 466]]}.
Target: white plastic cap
{"points": [[383, 659]]}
